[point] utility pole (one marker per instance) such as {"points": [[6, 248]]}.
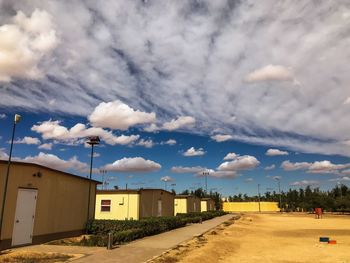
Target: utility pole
{"points": [[259, 197], [205, 174]]}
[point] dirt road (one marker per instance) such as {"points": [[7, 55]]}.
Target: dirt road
{"points": [[269, 238]]}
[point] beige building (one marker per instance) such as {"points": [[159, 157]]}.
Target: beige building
{"points": [[186, 204], [133, 204], [207, 204], [43, 204]]}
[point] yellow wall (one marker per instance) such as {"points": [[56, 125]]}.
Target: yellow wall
{"points": [[250, 207], [204, 206], [123, 206], [180, 205], [62, 199]]}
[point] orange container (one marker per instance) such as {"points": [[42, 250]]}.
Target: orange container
{"points": [[333, 242]]}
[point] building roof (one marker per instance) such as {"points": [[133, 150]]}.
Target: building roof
{"points": [[185, 196], [207, 199], [48, 168], [134, 191]]}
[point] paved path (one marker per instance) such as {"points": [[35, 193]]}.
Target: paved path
{"points": [[140, 250]]}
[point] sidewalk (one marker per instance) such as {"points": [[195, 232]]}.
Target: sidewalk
{"points": [[137, 251]]}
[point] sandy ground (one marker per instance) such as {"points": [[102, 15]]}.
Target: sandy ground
{"points": [[268, 238]]}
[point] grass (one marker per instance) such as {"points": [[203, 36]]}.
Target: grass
{"points": [[34, 257]]}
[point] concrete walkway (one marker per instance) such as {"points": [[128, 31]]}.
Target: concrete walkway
{"points": [[137, 251]]}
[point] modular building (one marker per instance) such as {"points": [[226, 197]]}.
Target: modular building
{"points": [[207, 204], [133, 204], [186, 204], [251, 207], [43, 204]]}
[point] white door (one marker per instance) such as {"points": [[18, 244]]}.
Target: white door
{"points": [[24, 217], [159, 208]]}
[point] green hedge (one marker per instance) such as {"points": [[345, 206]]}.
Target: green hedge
{"points": [[129, 230]]}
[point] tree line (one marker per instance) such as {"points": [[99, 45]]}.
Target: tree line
{"points": [[294, 200]]}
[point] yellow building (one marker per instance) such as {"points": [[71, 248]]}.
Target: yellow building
{"points": [[207, 204], [43, 204], [133, 204], [250, 207], [186, 204]]}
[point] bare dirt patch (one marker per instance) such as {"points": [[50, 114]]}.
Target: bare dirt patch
{"points": [[268, 238]]}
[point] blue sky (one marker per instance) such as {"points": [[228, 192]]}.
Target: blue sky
{"points": [[172, 88]]}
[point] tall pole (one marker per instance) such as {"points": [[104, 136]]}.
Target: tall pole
{"points": [[16, 120], [92, 156], [206, 173], [280, 197], [259, 197]]}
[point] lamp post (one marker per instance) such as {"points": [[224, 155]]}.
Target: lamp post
{"points": [[206, 173], [279, 192], [16, 120], [103, 172], [259, 197], [92, 140]]}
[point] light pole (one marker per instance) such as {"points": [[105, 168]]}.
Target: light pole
{"points": [[206, 173], [279, 192], [92, 140], [16, 120], [259, 197], [103, 172]]}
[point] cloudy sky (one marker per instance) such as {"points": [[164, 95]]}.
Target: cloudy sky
{"points": [[247, 90]]}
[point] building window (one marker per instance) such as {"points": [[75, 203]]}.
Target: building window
{"points": [[105, 205]]}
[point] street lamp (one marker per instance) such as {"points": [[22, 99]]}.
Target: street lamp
{"points": [[92, 140], [103, 172], [206, 173], [16, 120], [259, 197], [279, 192]]}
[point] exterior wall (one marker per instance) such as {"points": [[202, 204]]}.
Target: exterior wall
{"points": [[61, 206], [124, 205], [149, 199], [193, 204], [250, 207], [204, 206], [180, 205], [211, 205]]}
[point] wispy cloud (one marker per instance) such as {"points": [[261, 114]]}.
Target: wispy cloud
{"points": [[176, 59], [194, 152]]}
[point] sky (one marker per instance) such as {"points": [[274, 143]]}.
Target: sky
{"points": [[251, 92]]}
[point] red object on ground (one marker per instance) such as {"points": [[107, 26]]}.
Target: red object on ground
{"points": [[318, 212], [333, 242]]}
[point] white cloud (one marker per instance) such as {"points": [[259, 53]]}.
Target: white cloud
{"points": [[231, 156], [289, 166], [270, 167], [28, 140], [221, 137], [46, 146], [277, 177], [24, 43], [179, 123], [118, 115], [53, 130], [2, 116], [181, 169], [109, 56], [193, 152], [3, 154], [169, 142], [269, 72], [145, 143], [347, 101], [137, 164], [166, 179], [222, 174], [275, 152], [320, 167], [245, 162], [305, 183], [151, 128], [340, 179], [53, 161], [248, 180]]}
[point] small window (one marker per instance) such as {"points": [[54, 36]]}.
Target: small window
{"points": [[105, 205]]}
